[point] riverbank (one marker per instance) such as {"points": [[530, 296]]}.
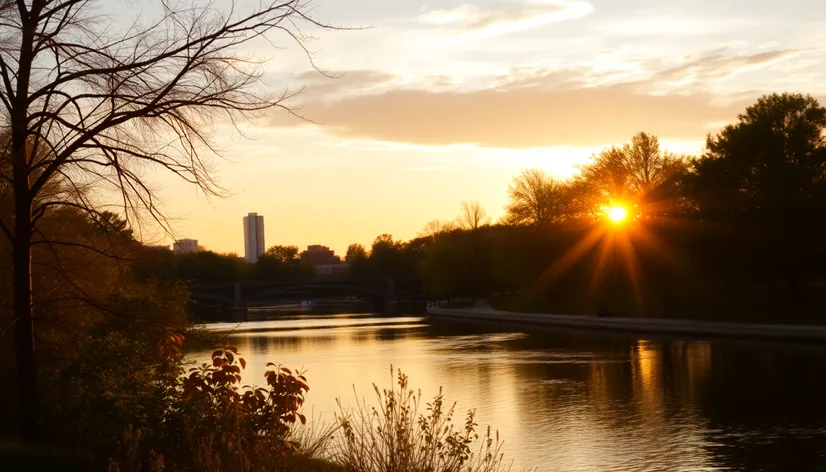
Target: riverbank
{"points": [[809, 333]]}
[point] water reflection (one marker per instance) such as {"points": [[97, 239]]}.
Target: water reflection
{"points": [[572, 400]]}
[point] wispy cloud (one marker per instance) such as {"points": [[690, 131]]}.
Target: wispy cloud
{"points": [[474, 21], [719, 67]]}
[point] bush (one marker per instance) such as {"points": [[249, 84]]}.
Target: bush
{"points": [[397, 438], [133, 407]]}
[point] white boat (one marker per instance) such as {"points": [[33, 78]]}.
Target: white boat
{"points": [[307, 304]]}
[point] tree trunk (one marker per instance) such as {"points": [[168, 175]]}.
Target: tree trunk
{"points": [[24, 319], [23, 229]]}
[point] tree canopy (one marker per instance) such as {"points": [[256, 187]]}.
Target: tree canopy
{"points": [[536, 198]]}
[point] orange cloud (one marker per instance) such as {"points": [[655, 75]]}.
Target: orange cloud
{"points": [[532, 109], [515, 117]]}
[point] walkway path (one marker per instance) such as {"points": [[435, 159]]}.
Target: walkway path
{"points": [[649, 325]]}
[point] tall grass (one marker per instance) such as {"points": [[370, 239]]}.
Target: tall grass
{"points": [[398, 437]]}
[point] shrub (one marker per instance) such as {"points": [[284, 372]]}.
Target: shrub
{"points": [[239, 428], [134, 407], [397, 438]]}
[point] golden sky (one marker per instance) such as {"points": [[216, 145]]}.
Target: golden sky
{"points": [[444, 101]]}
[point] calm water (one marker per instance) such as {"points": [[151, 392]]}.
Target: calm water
{"points": [[572, 400]]}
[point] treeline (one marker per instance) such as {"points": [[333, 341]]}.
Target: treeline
{"points": [[386, 257], [734, 233]]}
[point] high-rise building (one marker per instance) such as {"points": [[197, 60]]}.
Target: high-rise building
{"points": [[185, 246], [253, 237]]}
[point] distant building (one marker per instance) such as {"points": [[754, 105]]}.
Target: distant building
{"points": [[317, 255], [253, 237], [185, 246]]}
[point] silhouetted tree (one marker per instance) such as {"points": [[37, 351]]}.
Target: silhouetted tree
{"points": [[209, 266], [386, 257], [283, 254], [94, 105], [638, 175], [358, 260], [434, 228], [767, 175], [536, 199], [280, 262], [472, 216], [769, 165]]}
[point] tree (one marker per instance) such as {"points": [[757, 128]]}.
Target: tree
{"points": [[283, 254], [392, 258], [210, 267], [636, 174], [767, 175], [95, 109], [355, 252], [473, 216], [769, 165], [358, 260], [535, 199], [280, 262], [434, 228]]}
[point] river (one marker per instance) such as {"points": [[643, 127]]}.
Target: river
{"points": [[568, 400]]}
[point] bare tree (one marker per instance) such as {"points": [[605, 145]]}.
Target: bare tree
{"points": [[473, 216], [535, 198], [434, 228], [95, 109]]}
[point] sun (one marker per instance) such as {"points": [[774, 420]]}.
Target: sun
{"points": [[617, 214]]}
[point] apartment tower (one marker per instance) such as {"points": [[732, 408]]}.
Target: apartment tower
{"points": [[253, 237]]}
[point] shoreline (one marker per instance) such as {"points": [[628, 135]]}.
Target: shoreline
{"points": [[808, 333]]}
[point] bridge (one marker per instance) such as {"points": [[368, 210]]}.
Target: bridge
{"points": [[247, 294]]}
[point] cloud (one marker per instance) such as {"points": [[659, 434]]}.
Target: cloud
{"points": [[352, 81], [517, 118], [500, 18], [719, 67], [533, 108]]}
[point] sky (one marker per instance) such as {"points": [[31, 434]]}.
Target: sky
{"points": [[438, 102]]}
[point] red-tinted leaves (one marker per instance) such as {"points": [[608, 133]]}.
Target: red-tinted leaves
{"points": [[267, 412]]}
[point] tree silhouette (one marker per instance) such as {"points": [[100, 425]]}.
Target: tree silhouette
{"points": [[766, 174], [472, 216], [283, 254], [636, 174], [536, 199], [95, 109], [355, 252], [770, 165], [434, 228], [358, 260]]}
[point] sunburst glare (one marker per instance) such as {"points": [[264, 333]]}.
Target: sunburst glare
{"points": [[616, 213]]}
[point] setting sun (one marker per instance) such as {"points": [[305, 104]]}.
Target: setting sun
{"points": [[616, 214]]}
